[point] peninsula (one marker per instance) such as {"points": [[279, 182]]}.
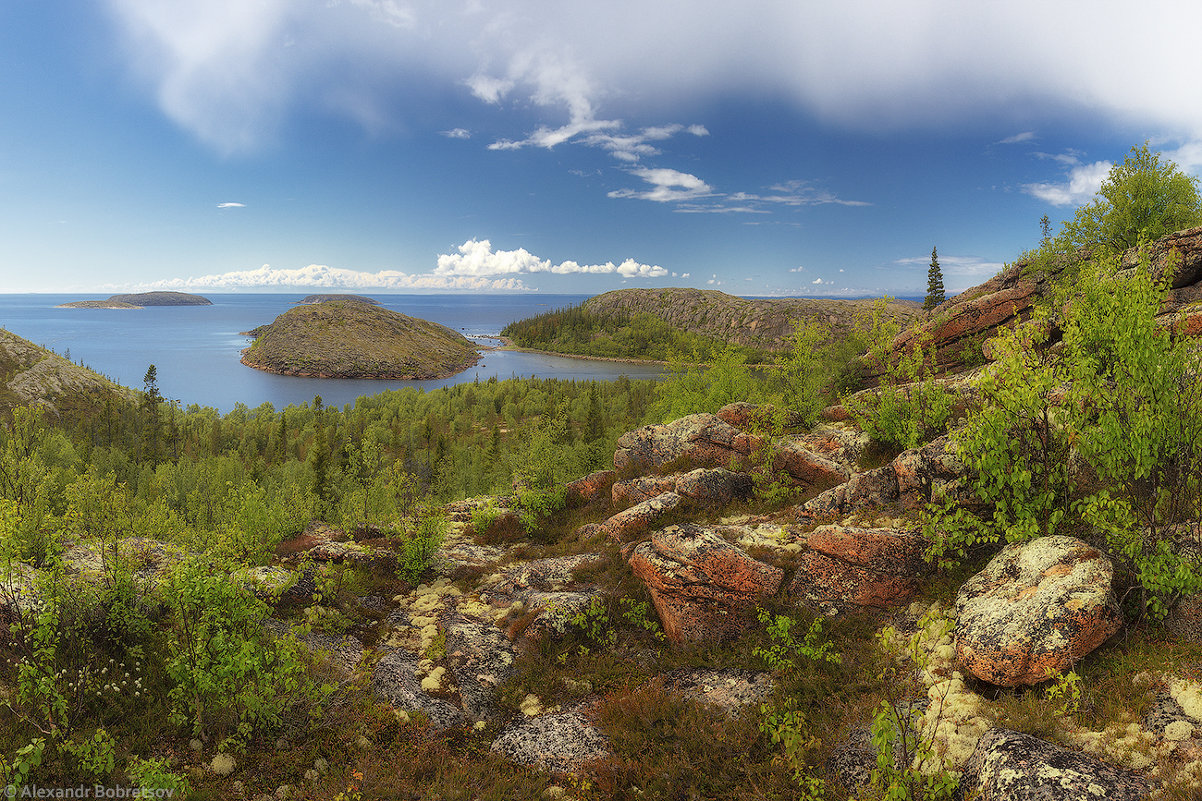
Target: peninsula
{"points": [[352, 339]]}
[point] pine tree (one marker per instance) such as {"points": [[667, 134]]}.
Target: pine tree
{"points": [[935, 294]]}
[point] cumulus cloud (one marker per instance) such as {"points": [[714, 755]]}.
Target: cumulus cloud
{"points": [[458, 133], [231, 205], [667, 185], [476, 257], [1080, 184], [320, 276]]}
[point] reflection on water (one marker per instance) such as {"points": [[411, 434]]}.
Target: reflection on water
{"points": [[196, 348]]}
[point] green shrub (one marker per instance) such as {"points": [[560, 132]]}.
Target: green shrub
{"points": [[231, 677]]}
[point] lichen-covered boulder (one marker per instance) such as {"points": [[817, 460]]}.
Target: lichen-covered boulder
{"points": [[560, 742], [589, 488], [1019, 767], [1035, 609], [714, 486], [700, 440], [702, 586], [630, 523], [876, 567], [808, 467]]}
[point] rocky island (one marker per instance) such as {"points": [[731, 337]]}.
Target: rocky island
{"points": [[140, 300], [311, 299], [352, 339]]}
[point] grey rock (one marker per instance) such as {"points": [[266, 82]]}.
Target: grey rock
{"points": [[560, 742], [481, 658], [1019, 767], [394, 680]]}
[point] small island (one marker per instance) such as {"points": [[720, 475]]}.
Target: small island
{"points": [[311, 299], [351, 339], [140, 300]]}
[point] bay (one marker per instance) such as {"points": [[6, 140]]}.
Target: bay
{"points": [[195, 349]]}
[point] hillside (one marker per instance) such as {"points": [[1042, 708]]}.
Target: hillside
{"points": [[351, 339], [629, 323], [35, 376], [140, 300]]}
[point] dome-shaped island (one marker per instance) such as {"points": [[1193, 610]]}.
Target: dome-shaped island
{"points": [[352, 339]]}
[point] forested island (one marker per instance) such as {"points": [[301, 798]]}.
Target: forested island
{"points": [[946, 556], [352, 339], [140, 300]]}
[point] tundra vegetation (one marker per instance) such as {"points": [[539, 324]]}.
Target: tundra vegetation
{"points": [[141, 648]]}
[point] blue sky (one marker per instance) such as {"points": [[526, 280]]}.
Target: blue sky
{"points": [[761, 148]]}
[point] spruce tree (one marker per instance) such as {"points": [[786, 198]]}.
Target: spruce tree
{"points": [[935, 294]]}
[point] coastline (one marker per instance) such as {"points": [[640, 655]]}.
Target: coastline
{"points": [[367, 377]]}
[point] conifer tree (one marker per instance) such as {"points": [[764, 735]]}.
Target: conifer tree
{"points": [[935, 294]]}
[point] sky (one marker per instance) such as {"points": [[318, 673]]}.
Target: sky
{"points": [[763, 148]]}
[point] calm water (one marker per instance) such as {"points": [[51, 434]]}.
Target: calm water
{"points": [[196, 348]]}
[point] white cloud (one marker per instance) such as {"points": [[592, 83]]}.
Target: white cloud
{"points": [[230, 70], [817, 281], [231, 205], [1018, 138], [797, 269], [458, 133], [1080, 184], [320, 276], [960, 272], [476, 257], [667, 186]]}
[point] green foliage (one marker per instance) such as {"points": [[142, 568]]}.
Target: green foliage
{"points": [[909, 407], [935, 292], [697, 387], [423, 540], [155, 774], [781, 655], [612, 334], [15, 772], [93, 756], [1106, 433], [789, 729], [1142, 199], [1064, 693], [907, 768], [231, 677]]}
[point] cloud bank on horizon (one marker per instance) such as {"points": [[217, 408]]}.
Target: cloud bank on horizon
{"points": [[474, 266]]}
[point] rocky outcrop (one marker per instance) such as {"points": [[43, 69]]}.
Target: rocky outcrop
{"points": [[701, 585], [560, 742], [957, 328], [1019, 767], [712, 487], [705, 440], [481, 658], [730, 689], [1035, 609], [394, 680], [858, 566], [699, 440], [910, 480]]}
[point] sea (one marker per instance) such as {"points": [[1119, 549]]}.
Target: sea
{"points": [[196, 349]]}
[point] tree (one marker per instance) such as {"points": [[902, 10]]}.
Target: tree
{"points": [[935, 294], [1142, 198], [151, 398]]}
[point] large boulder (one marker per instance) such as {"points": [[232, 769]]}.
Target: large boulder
{"points": [[911, 479], [698, 440], [875, 567], [394, 679], [1019, 767], [481, 658], [638, 519], [589, 488], [715, 486], [702, 586], [1034, 610]]}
